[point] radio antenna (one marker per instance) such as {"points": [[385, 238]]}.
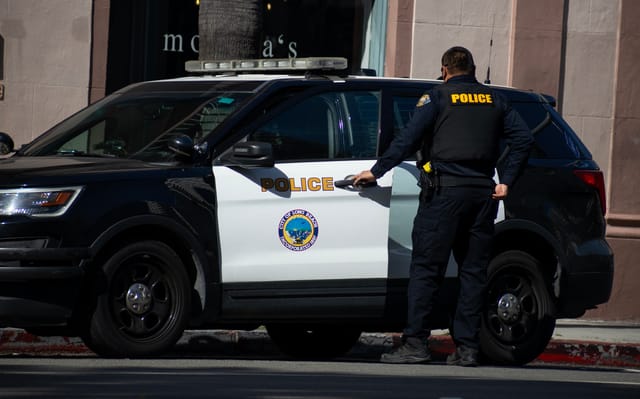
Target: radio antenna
{"points": [[493, 26]]}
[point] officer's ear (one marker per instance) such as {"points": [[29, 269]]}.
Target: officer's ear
{"points": [[443, 73]]}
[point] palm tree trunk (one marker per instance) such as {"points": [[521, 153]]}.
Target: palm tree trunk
{"points": [[230, 29]]}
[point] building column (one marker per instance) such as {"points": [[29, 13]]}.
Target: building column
{"points": [[623, 216], [537, 51], [399, 46], [99, 49]]}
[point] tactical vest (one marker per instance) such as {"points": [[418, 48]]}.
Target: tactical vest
{"points": [[468, 125]]}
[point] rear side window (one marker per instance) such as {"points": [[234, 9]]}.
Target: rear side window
{"points": [[554, 139]]}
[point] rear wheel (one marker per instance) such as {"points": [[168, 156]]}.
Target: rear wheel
{"points": [[317, 342], [144, 302], [518, 321]]}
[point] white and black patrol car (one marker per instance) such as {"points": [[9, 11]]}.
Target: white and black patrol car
{"points": [[220, 201]]}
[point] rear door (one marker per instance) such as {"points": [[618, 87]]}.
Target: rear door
{"points": [[290, 223]]}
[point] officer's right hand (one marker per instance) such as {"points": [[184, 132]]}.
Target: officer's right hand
{"points": [[500, 192], [363, 177]]}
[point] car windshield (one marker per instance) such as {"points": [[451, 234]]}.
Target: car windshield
{"points": [[137, 126]]}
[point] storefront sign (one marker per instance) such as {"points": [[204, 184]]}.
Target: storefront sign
{"points": [[268, 47], [173, 43]]}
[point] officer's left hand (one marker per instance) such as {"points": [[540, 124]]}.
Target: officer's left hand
{"points": [[500, 192], [363, 177]]}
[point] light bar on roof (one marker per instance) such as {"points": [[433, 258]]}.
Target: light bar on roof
{"points": [[267, 64]]}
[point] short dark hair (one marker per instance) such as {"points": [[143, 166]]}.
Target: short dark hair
{"points": [[459, 60]]}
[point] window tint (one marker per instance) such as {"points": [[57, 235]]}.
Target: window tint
{"points": [[403, 109], [136, 126], [404, 106], [326, 126], [554, 139], [362, 127], [303, 131]]}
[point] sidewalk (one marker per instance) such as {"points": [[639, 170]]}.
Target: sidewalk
{"points": [[576, 342]]}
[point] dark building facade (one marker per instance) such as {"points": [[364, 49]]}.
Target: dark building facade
{"points": [[152, 39]]}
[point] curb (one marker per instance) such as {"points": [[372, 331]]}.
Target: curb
{"points": [[20, 342], [592, 354], [224, 343]]}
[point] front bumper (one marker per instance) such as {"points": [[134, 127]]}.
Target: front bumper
{"points": [[39, 287]]}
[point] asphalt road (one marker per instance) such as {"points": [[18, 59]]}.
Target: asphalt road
{"points": [[84, 377]]}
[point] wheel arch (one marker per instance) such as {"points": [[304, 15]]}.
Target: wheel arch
{"points": [[199, 268], [529, 237]]}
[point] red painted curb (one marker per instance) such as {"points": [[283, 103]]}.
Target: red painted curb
{"points": [[17, 342], [592, 354], [584, 353], [20, 342]]}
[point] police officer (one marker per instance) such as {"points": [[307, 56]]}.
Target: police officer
{"points": [[458, 126]]}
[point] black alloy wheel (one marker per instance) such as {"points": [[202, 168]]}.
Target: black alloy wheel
{"points": [[518, 320], [144, 306]]}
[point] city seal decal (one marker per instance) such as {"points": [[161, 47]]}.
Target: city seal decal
{"points": [[298, 230]]}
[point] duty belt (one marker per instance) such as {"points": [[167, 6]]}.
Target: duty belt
{"points": [[463, 181], [435, 180]]}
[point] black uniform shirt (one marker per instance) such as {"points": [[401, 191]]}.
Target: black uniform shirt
{"points": [[516, 135]]}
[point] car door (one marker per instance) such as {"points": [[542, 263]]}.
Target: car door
{"points": [[290, 222]]}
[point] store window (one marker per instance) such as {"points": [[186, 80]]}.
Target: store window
{"points": [[353, 29], [152, 39]]}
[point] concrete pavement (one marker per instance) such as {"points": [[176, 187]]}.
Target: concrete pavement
{"points": [[577, 342]]}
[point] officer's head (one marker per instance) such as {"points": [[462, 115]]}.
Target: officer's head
{"points": [[457, 61]]}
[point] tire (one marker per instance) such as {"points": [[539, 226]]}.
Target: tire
{"points": [[518, 320], [318, 342], [123, 326]]}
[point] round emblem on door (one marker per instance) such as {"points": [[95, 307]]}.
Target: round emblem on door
{"points": [[298, 230]]}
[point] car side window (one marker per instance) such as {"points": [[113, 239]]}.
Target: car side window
{"points": [[303, 131], [552, 141], [360, 133], [403, 108], [336, 125]]}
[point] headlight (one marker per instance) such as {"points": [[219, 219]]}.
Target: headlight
{"points": [[37, 202]]}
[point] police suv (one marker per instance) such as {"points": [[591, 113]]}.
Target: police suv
{"points": [[223, 200]]}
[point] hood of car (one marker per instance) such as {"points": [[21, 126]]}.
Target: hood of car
{"points": [[28, 170]]}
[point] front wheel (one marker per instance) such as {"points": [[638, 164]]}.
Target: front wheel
{"points": [[518, 320], [316, 342], [143, 304]]}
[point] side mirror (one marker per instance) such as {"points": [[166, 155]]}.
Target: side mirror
{"points": [[6, 144], [250, 154], [183, 146]]}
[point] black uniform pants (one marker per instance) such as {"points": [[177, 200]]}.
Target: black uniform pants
{"points": [[458, 219]]}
